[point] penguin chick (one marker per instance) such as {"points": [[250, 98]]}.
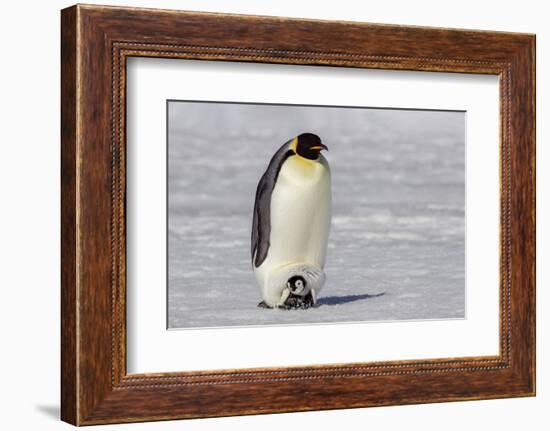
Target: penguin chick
{"points": [[288, 286], [300, 296], [297, 285]]}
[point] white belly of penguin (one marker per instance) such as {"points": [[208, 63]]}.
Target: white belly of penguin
{"points": [[300, 224]]}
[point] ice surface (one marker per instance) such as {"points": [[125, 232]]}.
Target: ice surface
{"points": [[396, 247]]}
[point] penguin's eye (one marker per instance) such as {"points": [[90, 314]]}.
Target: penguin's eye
{"points": [[299, 283]]}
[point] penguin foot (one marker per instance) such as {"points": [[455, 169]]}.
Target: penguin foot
{"points": [[263, 305]]}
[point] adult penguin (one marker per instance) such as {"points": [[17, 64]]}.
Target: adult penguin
{"points": [[291, 224]]}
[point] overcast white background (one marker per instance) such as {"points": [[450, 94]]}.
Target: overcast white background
{"points": [[29, 228]]}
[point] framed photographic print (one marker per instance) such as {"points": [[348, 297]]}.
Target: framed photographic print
{"points": [[264, 215]]}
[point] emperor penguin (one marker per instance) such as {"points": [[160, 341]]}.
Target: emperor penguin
{"points": [[291, 224]]}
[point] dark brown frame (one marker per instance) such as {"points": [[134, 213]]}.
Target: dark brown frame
{"points": [[95, 43]]}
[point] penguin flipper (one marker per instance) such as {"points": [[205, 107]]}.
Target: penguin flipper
{"points": [[261, 222]]}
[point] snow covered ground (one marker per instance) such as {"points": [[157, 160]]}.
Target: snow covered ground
{"points": [[396, 247]]}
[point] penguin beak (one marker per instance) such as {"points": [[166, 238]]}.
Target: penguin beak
{"points": [[320, 147]]}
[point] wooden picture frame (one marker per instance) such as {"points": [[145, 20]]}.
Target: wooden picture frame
{"points": [[95, 43]]}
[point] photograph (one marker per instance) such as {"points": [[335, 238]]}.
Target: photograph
{"points": [[282, 214]]}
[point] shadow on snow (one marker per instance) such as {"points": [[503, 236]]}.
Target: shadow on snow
{"points": [[344, 299]]}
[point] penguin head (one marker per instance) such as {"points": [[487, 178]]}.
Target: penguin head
{"points": [[296, 284], [309, 146]]}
